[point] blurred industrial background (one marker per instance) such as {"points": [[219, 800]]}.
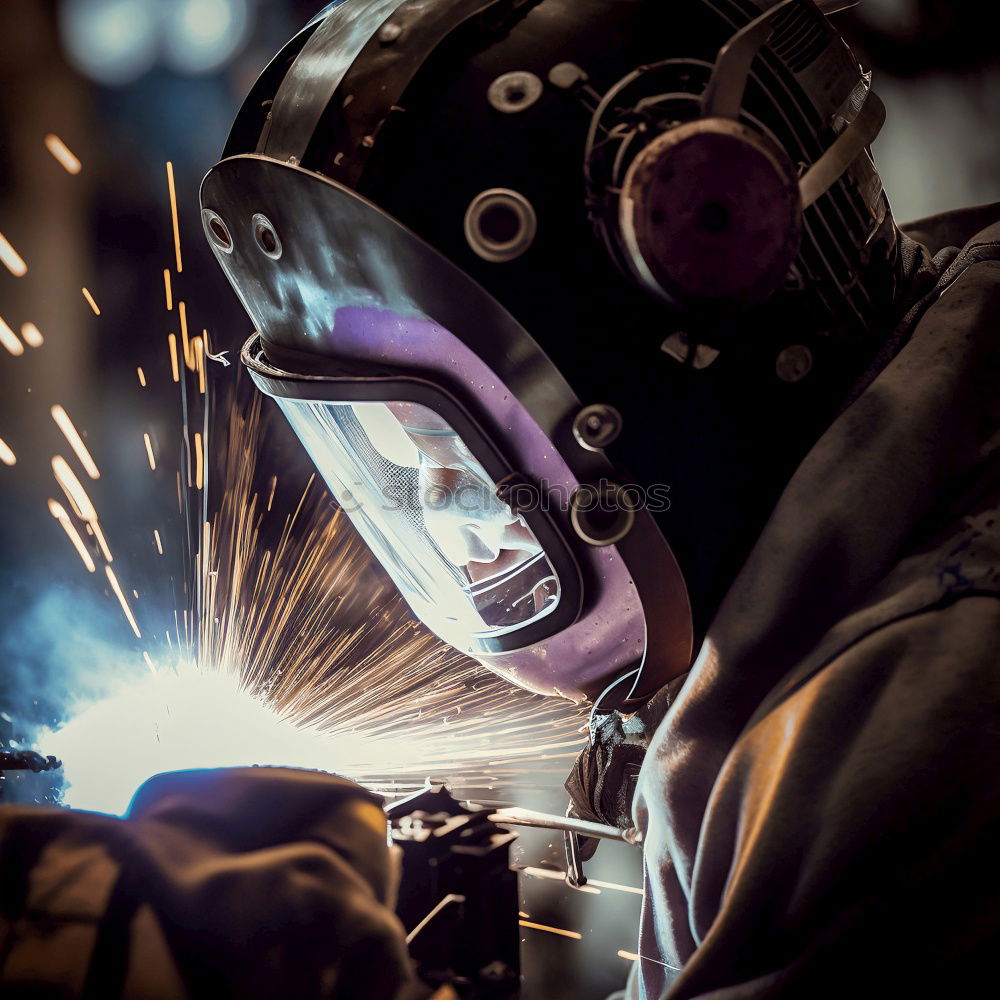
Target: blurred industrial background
{"points": [[96, 97]]}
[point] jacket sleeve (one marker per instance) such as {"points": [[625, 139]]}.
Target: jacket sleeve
{"points": [[260, 882], [850, 844]]}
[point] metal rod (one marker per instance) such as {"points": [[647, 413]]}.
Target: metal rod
{"points": [[516, 816]]}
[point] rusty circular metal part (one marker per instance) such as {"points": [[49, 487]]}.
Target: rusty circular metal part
{"points": [[711, 215], [265, 236], [597, 426], [500, 225], [794, 363], [216, 230], [601, 513], [514, 92]]}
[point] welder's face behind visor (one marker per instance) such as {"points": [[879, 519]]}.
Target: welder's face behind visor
{"points": [[468, 566]]}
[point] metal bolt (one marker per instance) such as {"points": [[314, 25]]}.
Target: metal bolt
{"points": [[794, 363], [597, 426], [389, 33]]}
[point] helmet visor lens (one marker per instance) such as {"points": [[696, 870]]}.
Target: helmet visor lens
{"points": [[469, 567]]}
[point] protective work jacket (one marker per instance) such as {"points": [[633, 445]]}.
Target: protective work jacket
{"points": [[820, 805]]}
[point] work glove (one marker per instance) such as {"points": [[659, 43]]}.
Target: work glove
{"points": [[254, 883], [602, 783]]}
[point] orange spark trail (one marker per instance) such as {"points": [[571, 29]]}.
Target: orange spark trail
{"points": [[159, 544], [198, 462], [91, 302], [61, 417], [173, 215], [32, 335], [116, 587], [66, 478], [59, 513], [168, 291], [61, 152], [9, 339], [185, 343], [6, 455], [11, 258], [174, 366], [142, 376], [149, 452], [551, 930]]}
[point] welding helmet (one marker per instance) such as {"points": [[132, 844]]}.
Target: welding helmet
{"points": [[470, 232]]}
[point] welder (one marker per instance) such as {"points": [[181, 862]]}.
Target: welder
{"points": [[594, 317], [630, 266]]}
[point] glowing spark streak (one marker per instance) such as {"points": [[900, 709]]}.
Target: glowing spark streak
{"points": [[99, 535], [159, 544], [7, 456], [270, 498], [630, 955], [12, 259], [615, 886], [116, 587], [174, 367], [61, 152], [59, 513], [142, 377], [149, 662], [167, 290], [185, 342], [198, 350], [66, 478], [173, 215], [90, 300], [149, 452], [550, 930], [9, 339], [63, 422], [199, 468], [32, 335]]}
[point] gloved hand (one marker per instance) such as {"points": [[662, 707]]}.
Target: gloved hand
{"points": [[602, 783], [248, 882]]}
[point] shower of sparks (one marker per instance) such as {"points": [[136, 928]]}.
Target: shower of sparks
{"points": [[560, 876], [167, 290], [90, 301], [551, 930], [12, 260], [174, 366], [142, 376], [63, 422], [173, 215], [126, 610], [32, 335], [61, 152], [9, 339], [149, 452], [73, 489], [7, 456], [159, 544], [59, 513]]}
